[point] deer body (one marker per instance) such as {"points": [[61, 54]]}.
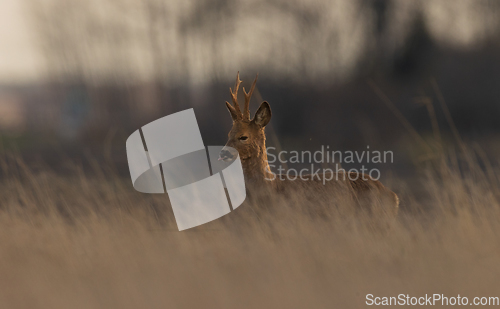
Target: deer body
{"points": [[248, 138]]}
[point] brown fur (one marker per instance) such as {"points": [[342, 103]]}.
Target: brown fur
{"points": [[248, 137]]}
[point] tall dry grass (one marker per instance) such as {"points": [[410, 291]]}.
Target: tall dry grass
{"points": [[86, 239]]}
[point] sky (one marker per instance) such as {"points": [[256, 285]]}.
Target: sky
{"points": [[255, 41], [20, 59]]}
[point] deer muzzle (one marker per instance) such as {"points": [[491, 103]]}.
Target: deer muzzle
{"points": [[228, 154]]}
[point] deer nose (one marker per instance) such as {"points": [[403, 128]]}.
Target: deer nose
{"points": [[225, 155]]}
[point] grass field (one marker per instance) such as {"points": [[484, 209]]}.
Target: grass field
{"points": [[88, 240]]}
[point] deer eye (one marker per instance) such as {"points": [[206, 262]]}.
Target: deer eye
{"points": [[243, 138]]}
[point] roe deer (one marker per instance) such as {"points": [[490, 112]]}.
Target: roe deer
{"points": [[248, 138]]}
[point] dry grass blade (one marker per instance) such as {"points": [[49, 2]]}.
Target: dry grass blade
{"points": [[383, 97], [99, 244]]}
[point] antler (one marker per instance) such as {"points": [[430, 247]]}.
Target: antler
{"points": [[234, 96], [248, 96]]}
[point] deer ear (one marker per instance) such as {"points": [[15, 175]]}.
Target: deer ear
{"points": [[263, 114], [232, 111]]}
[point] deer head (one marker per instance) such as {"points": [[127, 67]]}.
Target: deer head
{"points": [[247, 135]]}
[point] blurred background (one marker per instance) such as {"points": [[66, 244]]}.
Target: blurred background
{"points": [[77, 77]]}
